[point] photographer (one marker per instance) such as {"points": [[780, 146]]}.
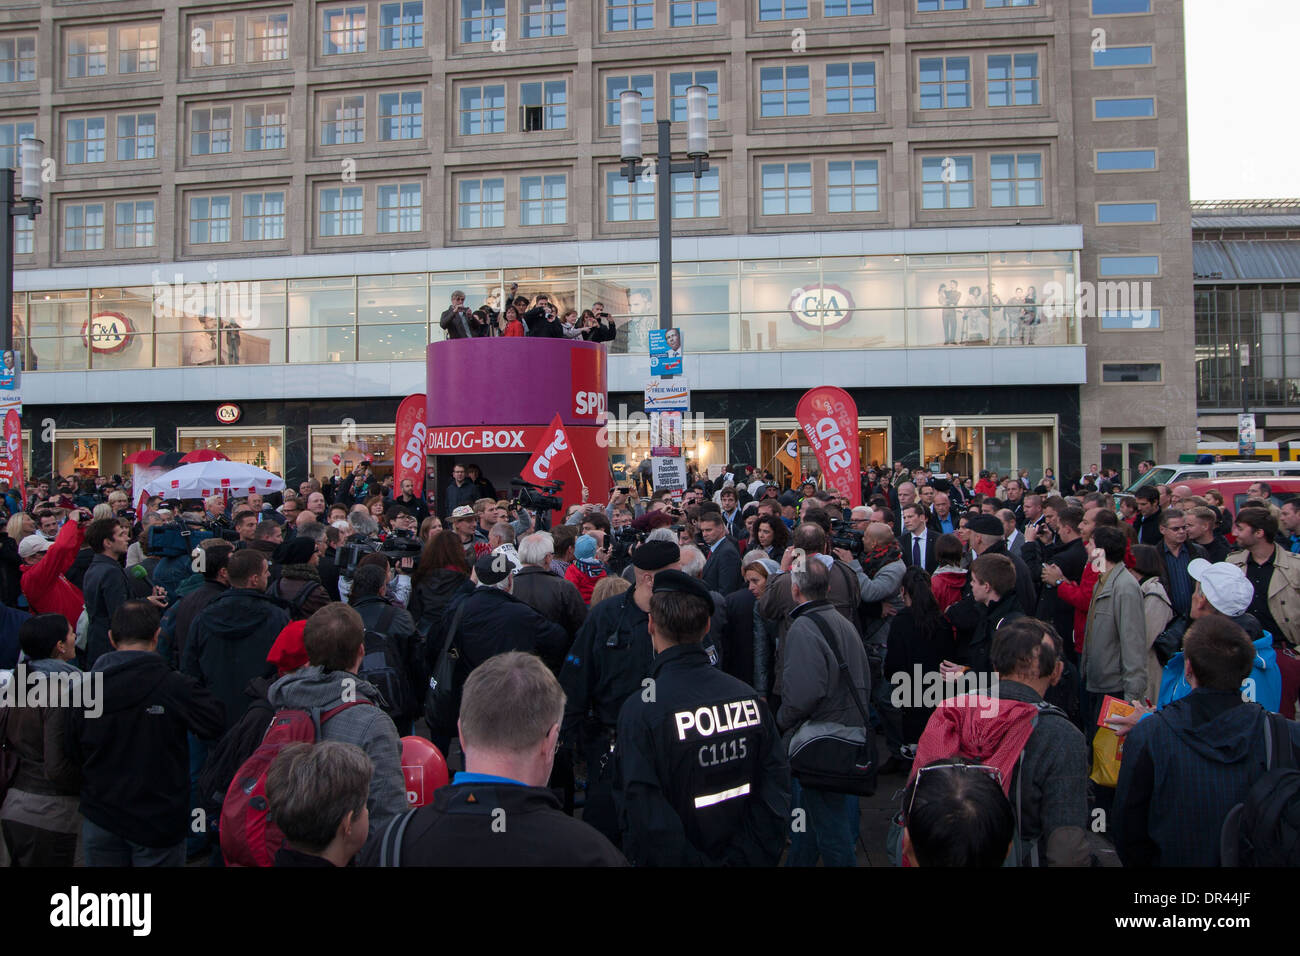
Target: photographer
{"points": [[543, 320], [459, 322]]}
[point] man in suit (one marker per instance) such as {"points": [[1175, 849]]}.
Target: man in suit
{"points": [[722, 563], [1015, 539], [918, 540]]}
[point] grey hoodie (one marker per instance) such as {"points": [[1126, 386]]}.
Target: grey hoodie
{"points": [[311, 688]]}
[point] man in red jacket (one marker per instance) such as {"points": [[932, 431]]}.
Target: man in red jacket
{"points": [[44, 565]]}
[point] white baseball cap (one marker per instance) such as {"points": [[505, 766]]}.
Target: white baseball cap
{"points": [[1224, 585], [33, 544]]}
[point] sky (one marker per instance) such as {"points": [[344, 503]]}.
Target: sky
{"points": [[1243, 128]]}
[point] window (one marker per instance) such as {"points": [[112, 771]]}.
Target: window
{"points": [[342, 211], [24, 236], [482, 203], [401, 115], [629, 15], [1119, 213], [85, 141], [643, 83], [268, 37], [990, 4], [543, 200], [783, 91], [544, 105], [344, 30], [1129, 319], [1013, 80], [343, 120], [87, 55], [482, 110], [697, 198], [210, 131], [137, 49], [212, 42], [628, 202], [11, 137], [934, 6], [83, 227], [17, 59], [1123, 56], [945, 83], [1125, 160], [480, 19], [678, 83], [849, 8], [134, 224], [1131, 372], [265, 126], [1016, 179], [1101, 8], [947, 182], [401, 25], [782, 9], [399, 207], [263, 216], [850, 87], [853, 185], [692, 13], [136, 136], [1135, 107], [542, 18], [1111, 266], [209, 219], [787, 189]]}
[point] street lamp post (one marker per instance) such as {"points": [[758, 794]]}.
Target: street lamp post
{"points": [[662, 167], [26, 203]]}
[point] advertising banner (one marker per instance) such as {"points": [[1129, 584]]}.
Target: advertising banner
{"points": [[829, 418], [667, 397], [666, 352], [409, 444]]}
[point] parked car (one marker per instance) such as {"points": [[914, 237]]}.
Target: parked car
{"points": [[1181, 473]]}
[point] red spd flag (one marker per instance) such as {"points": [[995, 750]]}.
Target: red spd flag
{"points": [[411, 444], [552, 454], [829, 417], [11, 467]]}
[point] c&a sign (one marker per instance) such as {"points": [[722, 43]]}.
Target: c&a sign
{"points": [[107, 332], [821, 306]]}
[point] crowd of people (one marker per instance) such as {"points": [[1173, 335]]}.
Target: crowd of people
{"points": [[691, 678], [539, 317]]}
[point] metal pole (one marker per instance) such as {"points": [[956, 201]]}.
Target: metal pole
{"points": [[664, 171], [7, 258]]}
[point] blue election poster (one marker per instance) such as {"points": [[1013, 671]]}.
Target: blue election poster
{"points": [[666, 352]]}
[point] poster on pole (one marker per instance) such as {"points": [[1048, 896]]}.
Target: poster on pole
{"points": [[669, 474], [666, 435], [667, 397], [666, 352], [1246, 434]]}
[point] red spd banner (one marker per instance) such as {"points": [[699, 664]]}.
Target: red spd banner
{"points": [[552, 453], [829, 417], [11, 465], [409, 444]]}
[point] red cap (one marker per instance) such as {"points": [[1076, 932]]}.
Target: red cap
{"points": [[289, 653]]}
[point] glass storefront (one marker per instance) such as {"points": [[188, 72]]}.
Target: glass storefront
{"points": [[1125, 453], [967, 445], [260, 447], [856, 302], [94, 452], [775, 434], [704, 444], [340, 448]]}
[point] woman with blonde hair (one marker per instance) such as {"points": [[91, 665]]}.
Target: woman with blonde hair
{"points": [[609, 586], [749, 639]]}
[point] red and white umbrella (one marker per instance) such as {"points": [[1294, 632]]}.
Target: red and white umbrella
{"points": [[204, 478], [203, 454]]}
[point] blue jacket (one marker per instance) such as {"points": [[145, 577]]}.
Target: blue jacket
{"points": [[1263, 685], [1184, 768]]}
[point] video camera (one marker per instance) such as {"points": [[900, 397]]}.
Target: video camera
{"points": [[395, 546], [537, 497], [843, 536]]}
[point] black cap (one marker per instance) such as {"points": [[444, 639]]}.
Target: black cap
{"points": [[653, 555], [493, 568], [298, 551], [787, 499], [682, 583], [986, 524]]}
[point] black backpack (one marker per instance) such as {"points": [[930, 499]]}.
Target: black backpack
{"points": [[382, 666], [295, 603], [1264, 830]]}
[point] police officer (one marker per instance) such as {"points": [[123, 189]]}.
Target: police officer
{"points": [[701, 776], [610, 656]]}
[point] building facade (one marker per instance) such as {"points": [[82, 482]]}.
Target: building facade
{"points": [[935, 204]]}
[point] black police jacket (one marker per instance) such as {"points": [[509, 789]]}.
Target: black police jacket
{"points": [[701, 776], [609, 659]]}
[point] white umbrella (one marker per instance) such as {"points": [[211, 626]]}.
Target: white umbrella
{"points": [[204, 478]]}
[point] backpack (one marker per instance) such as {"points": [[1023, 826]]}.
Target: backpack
{"points": [[1264, 829], [248, 835], [296, 602], [382, 667]]}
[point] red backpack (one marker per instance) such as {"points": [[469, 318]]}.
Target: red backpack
{"points": [[248, 835]]}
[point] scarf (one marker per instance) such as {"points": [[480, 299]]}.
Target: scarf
{"points": [[873, 559]]}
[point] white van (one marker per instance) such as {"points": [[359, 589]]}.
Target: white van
{"points": [[1172, 474]]}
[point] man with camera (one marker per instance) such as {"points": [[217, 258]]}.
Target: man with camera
{"points": [[459, 322], [542, 320]]}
